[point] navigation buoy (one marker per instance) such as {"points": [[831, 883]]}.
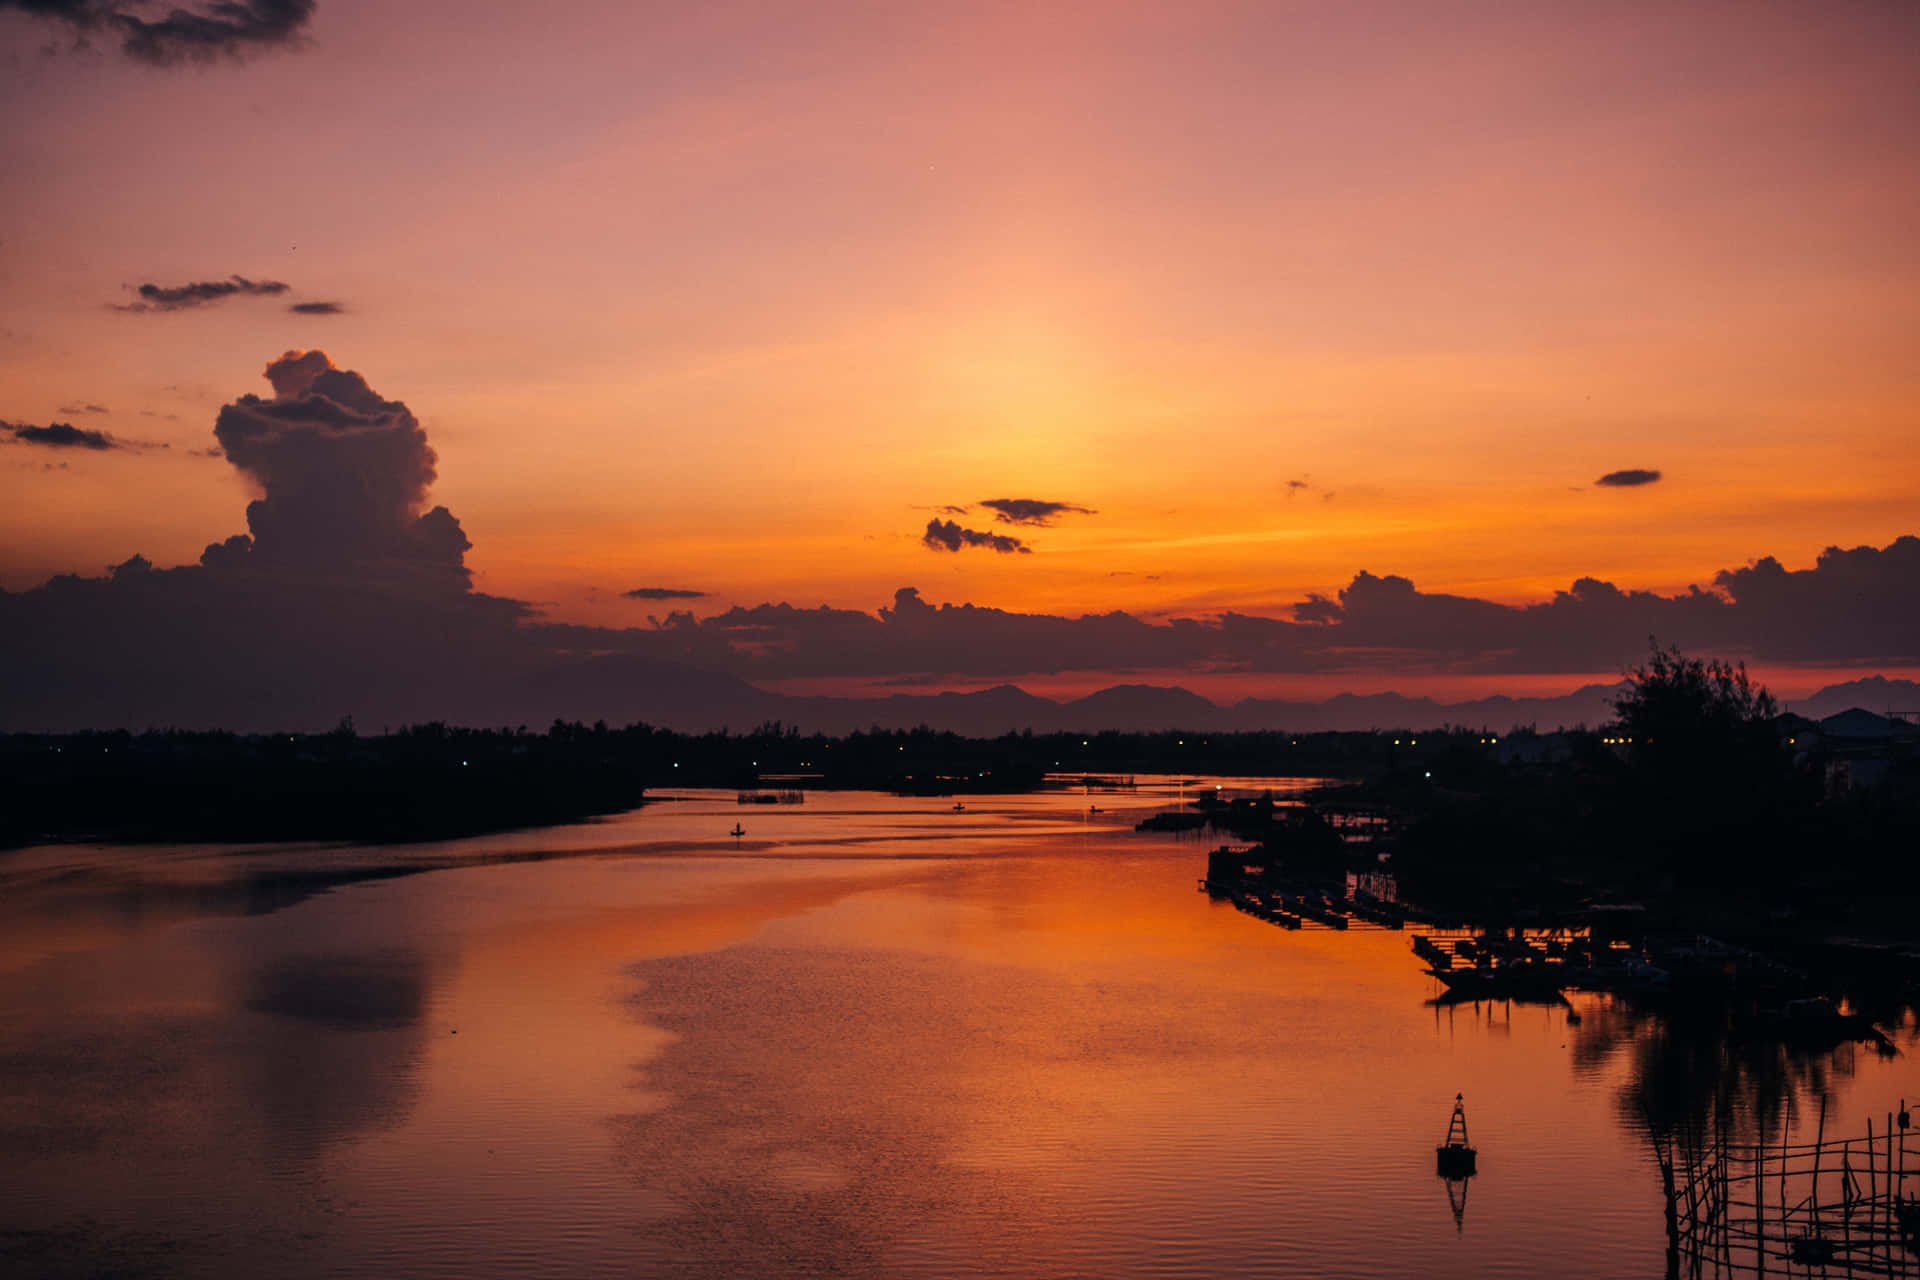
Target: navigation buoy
{"points": [[1454, 1158]]}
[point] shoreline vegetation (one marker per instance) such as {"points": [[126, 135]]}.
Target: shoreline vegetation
{"points": [[1700, 803], [1751, 875], [433, 781], [1701, 808]]}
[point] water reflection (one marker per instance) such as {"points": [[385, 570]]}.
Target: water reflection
{"points": [[892, 1040], [313, 1087], [1690, 1069], [355, 991]]}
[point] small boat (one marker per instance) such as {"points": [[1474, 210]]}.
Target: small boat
{"points": [[1524, 980], [738, 830], [959, 808], [1093, 808]]}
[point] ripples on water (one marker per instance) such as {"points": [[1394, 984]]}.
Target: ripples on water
{"points": [[871, 1037]]}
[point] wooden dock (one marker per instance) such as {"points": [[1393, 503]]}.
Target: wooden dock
{"points": [[1292, 910], [1249, 877]]}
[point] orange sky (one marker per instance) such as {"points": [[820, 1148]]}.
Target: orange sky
{"points": [[728, 298]]}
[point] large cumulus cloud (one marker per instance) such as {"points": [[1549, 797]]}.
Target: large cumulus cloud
{"points": [[348, 595], [344, 475]]}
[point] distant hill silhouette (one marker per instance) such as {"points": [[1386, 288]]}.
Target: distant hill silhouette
{"points": [[626, 689], [622, 690], [692, 701], [1872, 693]]}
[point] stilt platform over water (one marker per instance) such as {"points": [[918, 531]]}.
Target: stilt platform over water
{"points": [[1247, 876]]}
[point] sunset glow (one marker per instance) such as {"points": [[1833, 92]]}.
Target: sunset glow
{"points": [[732, 301]]}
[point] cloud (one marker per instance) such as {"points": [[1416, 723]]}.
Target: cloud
{"points": [[663, 593], [83, 408], [1629, 479], [62, 435], [317, 309], [1863, 601], [345, 596], [1855, 606], [947, 535], [229, 27], [344, 475], [155, 297], [220, 28], [1032, 511], [349, 593]]}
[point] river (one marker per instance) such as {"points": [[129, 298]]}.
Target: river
{"points": [[871, 1036]]}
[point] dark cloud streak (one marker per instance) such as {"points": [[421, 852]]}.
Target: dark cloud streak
{"points": [[947, 535], [317, 309], [155, 297], [223, 28], [1032, 511], [1631, 478], [663, 593], [62, 435]]}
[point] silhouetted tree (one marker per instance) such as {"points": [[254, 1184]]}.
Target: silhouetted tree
{"points": [[1709, 780], [1678, 707]]}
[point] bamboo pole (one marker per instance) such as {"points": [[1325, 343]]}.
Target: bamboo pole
{"points": [[1872, 1194], [1785, 1226], [1813, 1192], [1760, 1200], [1886, 1176], [1726, 1175]]}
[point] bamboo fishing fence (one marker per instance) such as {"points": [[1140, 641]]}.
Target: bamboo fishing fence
{"points": [[1828, 1208]]}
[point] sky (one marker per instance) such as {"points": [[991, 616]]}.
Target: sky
{"points": [[1190, 312]]}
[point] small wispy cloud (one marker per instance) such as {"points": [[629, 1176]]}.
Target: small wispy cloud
{"points": [[154, 297], [1628, 479], [947, 535], [663, 593], [61, 435], [1032, 511]]}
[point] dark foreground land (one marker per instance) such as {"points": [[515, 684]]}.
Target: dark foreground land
{"points": [[429, 783], [1699, 806], [435, 781]]}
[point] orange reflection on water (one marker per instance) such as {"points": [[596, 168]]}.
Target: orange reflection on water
{"points": [[893, 1040]]}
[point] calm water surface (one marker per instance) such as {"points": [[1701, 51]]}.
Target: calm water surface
{"points": [[872, 1037]]}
